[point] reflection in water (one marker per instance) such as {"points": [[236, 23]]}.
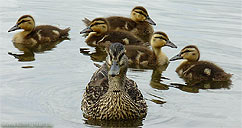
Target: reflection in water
{"points": [[98, 56], [112, 123], [157, 101], [30, 49], [157, 78], [194, 87]]}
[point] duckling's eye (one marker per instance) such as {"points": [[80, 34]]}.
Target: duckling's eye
{"points": [[160, 37], [95, 24], [23, 21], [185, 51], [140, 13], [193, 54]]}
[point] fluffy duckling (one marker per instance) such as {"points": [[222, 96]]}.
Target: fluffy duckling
{"points": [[110, 95], [139, 24], [100, 34], [146, 58], [36, 34], [195, 70]]}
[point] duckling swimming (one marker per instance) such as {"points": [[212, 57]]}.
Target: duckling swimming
{"points": [[139, 24], [36, 34], [146, 58], [193, 69], [100, 34], [110, 95]]}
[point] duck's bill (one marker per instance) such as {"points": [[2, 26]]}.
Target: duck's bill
{"points": [[150, 21], [170, 44], [86, 30], [15, 27], [177, 57], [114, 70]]}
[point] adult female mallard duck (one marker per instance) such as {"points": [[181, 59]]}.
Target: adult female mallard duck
{"points": [[193, 69], [139, 24], [145, 57], [110, 95], [100, 34], [36, 34]]}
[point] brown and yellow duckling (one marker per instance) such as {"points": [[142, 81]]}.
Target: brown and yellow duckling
{"points": [[145, 57], [100, 34], [140, 24], [110, 95], [195, 70], [37, 34]]}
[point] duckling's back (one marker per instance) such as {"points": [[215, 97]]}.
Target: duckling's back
{"points": [[202, 70], [48, 33]]}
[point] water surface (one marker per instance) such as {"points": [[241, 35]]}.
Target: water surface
{"points": [[49, 88]]}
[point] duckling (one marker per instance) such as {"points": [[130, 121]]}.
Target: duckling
{"points": [[195, 70], [36, 34], [145, 57], [139, 24], [110, 95], [101, 35]]}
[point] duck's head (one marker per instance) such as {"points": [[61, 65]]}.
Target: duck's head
{"points": [[190, 53], [139, 13], [160, 39], [98, 25], [116, 60], [25, 22]]}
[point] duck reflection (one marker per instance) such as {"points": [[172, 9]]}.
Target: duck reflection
{"points": [[29, 49], [194, 86], [113, 123]]}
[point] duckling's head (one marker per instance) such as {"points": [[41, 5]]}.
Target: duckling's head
{"points": [[98, 25], [117, 61], [25, 22], [139, 13], [190, 53], [160, 39]]}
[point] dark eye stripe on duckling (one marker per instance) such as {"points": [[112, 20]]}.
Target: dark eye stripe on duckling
{"points": [[186, 51], [160, 37], [96, 24], [141, 13], [23, 21]]}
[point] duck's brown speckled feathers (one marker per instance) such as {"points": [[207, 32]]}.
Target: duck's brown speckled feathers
{"points": [[113, 97]]}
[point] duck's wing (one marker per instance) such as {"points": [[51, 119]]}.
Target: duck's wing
{"points": [[97, 87], [135, 94]]}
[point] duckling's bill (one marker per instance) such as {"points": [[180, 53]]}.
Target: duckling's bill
{"points": [[115, 69], [177, 57], [86, 30], [150, 21], [15, 27], [170, 44]]}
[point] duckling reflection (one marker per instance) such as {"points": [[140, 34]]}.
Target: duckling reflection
{"points": [[157, 79], [194, 87], [99, 55], [29, 50]]}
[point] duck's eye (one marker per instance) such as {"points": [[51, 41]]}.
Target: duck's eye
{"points": [[193, 54], [120, 56]]}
